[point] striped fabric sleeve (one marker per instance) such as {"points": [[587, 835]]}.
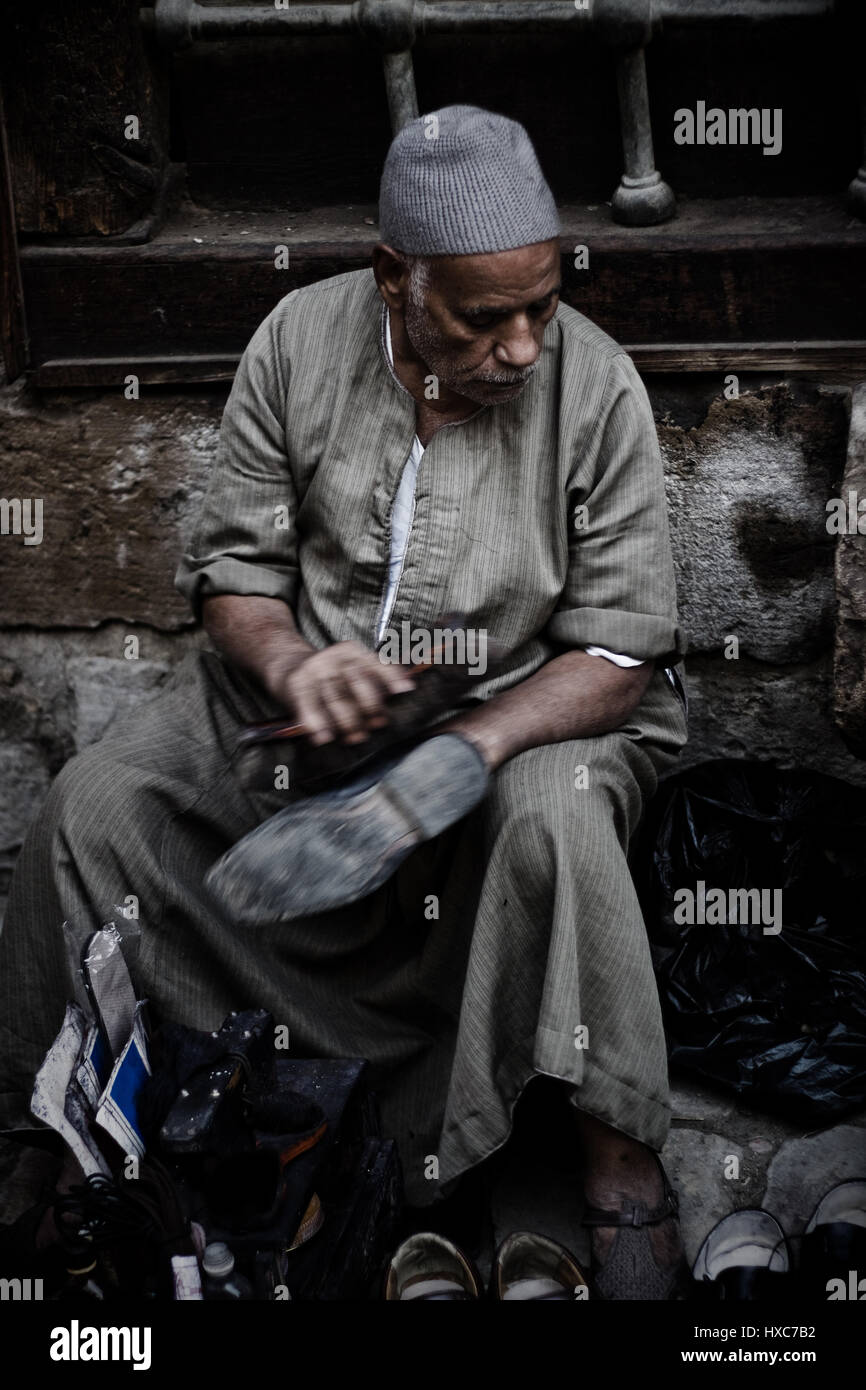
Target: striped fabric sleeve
{"points": [[620, 591], [245, 540]]}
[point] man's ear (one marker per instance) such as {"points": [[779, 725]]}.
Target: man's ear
{"points": [[392, 275]]}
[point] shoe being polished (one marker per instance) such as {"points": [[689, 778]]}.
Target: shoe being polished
{"points": [[326, 851], [432, 1268], [443, 686], [532, 1268]]}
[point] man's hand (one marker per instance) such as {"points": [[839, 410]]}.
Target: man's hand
{"points": [[340, 692]]}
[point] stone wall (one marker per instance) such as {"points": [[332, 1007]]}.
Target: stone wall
{"points": [[748, 480]]}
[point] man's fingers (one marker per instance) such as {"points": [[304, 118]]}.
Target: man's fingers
{"points": [[369, 694], [368, 683], [344, 712], [311, 712], [397, 679], [343, 691], [359, 661]]}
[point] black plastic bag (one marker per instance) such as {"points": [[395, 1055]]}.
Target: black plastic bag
{"points": [[769, 999]]}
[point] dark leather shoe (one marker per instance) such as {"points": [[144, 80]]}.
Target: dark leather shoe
{"points": [[833, 1252], [532, 1268], [744, 1258], [438, 690], [432, 1268]]}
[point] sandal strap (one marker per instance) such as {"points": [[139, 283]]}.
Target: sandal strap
{"points": [[632, 1214], [636, 1213]]}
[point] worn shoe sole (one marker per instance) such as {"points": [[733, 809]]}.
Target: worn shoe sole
{"points": [[330, 850]]}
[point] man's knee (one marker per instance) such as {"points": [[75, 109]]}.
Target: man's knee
{"points": [[578, 785], [92, 798], [578, 799]]}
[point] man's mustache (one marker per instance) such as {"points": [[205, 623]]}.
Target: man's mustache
{"points": [[501, 380]]}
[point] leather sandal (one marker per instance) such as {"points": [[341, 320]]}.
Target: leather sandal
{"points": [[630, 1270]]}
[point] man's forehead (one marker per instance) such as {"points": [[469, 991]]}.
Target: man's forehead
{"points": [[502, 278]]}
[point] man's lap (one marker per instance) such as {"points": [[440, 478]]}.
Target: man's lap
{"points": [[145, 810]]}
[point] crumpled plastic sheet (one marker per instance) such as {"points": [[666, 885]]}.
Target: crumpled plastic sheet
{"points": [[779, 1018]]}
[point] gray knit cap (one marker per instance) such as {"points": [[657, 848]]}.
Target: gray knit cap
{"points": [[461, 181]]}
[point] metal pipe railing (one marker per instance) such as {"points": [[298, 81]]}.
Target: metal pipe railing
{"points": [[642, 197], [400, 87], [184, 21]]}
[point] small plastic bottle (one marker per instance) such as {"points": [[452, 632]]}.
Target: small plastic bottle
{"points": [[221, 1279]]}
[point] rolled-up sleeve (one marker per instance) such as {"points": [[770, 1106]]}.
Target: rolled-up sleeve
{"points": [[620, 590], [245, 540]]}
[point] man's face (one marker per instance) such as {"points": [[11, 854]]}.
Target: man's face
{"points": [[479, 322]]}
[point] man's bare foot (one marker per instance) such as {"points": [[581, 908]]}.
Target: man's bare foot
{"points": [[620, 1171]]}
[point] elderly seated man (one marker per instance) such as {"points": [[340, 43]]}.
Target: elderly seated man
{"points": [[438, 433]]}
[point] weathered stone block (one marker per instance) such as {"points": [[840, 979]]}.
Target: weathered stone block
{"points": [[745, 709], [696, 1164], [120, 484], [747, 489], [104, 689], [805, 1169]]}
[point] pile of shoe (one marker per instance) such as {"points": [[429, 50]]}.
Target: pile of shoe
{"points": [[747, 1255], [527, 1268], [212, 1165], [274, 1151]]}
